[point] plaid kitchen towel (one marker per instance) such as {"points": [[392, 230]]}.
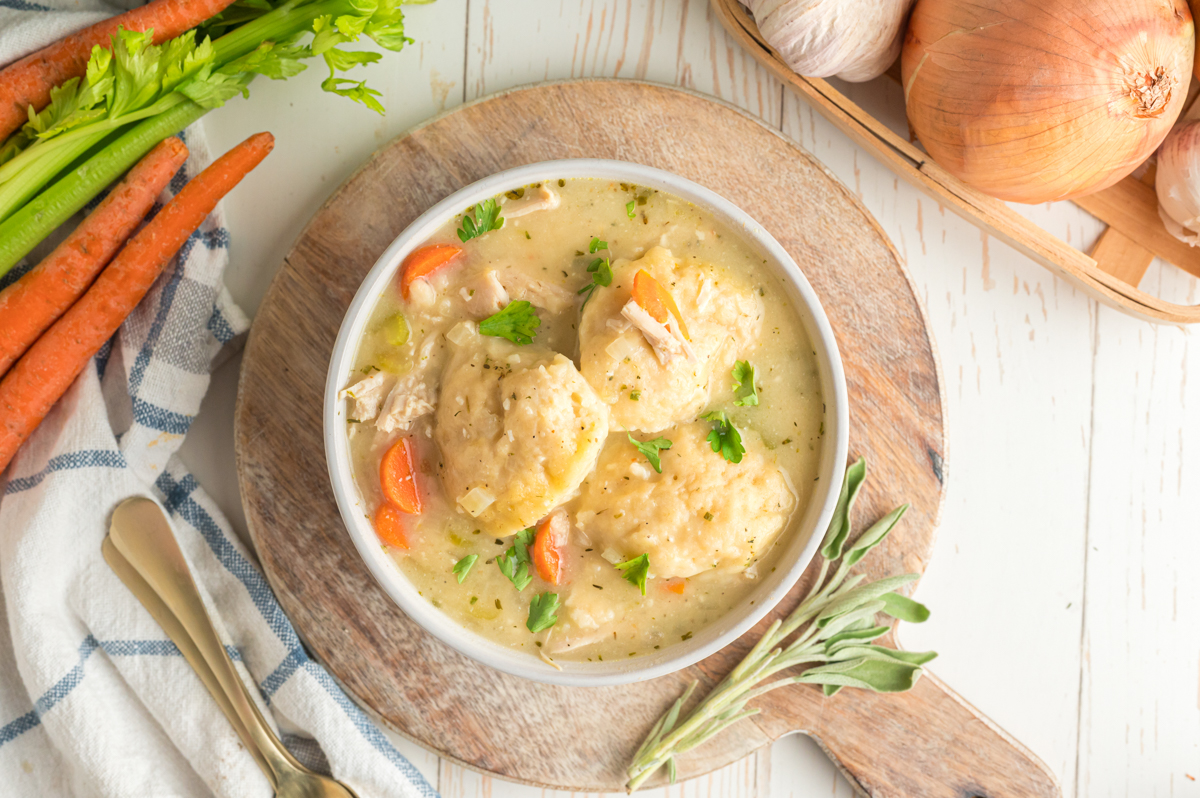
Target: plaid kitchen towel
{"points": [[94, 699]]}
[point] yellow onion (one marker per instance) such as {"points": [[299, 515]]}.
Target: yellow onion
{"points": [[1038, 100]]}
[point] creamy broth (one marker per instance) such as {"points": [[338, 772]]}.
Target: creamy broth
{"points": [[504, 434]]}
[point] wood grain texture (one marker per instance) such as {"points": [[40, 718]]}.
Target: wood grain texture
{"points": [[466, 711], [1126, 205], [1121, 256]]}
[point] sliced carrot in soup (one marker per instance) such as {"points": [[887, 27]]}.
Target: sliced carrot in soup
{"points": [[548, 546], [389, 525], [423, 262], [656, 300], [675, 585], [398, 477]]}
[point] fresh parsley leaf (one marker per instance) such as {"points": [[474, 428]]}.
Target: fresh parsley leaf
{"points": [[518, 322], [725, 438], [651, 449], [541, 612], [516, 571], [487, 218], [743, 384], [515, 562], [523, 540], [635, 571], [600, 269], [629, 206], [463, 566]]}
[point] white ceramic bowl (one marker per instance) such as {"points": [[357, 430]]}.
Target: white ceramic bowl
{"points": [[800, 542]]}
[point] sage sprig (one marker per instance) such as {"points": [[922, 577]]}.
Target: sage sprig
{"points": [[834, 631]]}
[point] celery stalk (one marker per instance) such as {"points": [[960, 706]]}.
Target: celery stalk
{"points": [[22, 231]]}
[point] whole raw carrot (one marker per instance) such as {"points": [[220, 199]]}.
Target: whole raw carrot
{"points": [[45, 372], [33, 303], [28, 81]]}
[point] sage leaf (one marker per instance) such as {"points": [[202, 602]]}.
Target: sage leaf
{"points": [[854, 637], [874, 536], [902, 608], [882, 676], [839, 525], [862, 594]]}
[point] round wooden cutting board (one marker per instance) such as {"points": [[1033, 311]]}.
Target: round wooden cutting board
{"points": [[926, 743]]}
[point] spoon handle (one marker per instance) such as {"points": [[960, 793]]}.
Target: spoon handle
{"points": [[179, 636], [141, 533]]}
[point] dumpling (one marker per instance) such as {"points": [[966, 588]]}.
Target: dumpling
{"points": [[649, 389], [701, 513], [519, 429]]}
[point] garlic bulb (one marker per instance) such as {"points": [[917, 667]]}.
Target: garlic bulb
{"points": [[1177, 182], [853, 39]]}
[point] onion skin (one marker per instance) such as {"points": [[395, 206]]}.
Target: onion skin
{"points": [[1041, 100]]}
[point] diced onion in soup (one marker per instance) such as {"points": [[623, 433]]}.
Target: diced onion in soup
{"points": [[461, 333], [476, 500]]}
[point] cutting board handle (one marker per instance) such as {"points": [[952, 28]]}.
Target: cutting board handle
{"points": [[928, 743]]}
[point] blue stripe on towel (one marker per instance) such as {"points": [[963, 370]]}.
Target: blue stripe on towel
{"points": [[177, 499], [88, 458], [63, 687], [159, 418]]}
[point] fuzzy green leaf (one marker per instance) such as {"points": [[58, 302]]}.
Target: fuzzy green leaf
{"points": [[874, 536], [902, 608], [839, 525]]}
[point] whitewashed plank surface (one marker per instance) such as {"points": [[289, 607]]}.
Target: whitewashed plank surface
{"points": [[1063, 601]]}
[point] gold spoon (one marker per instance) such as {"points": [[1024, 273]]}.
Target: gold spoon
{"points": [[142, 550]]}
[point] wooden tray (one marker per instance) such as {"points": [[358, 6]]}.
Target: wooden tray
{"points": [[927, 743], [1110, 273]]}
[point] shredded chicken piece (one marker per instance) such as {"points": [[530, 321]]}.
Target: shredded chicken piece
{"points": [[543, 200], [485, 295], [708, 292], [421, 294], [666, 344], [410, 399], [520, 285], [367, 395]]}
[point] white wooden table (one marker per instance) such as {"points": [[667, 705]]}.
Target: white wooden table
{"points": [[1061, 601]]}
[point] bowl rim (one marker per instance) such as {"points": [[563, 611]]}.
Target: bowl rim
{"points": [[714, 636]]}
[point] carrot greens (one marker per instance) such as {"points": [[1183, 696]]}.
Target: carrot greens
{"points": [[834, 630]]}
